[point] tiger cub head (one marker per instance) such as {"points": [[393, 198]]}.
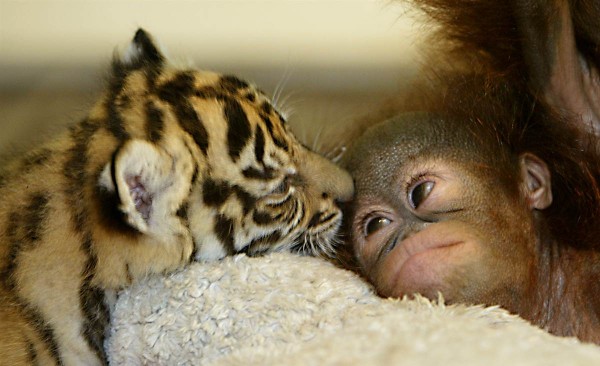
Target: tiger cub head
{"points": [[207, 156]]}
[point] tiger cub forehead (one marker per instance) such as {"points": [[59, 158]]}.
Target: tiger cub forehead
{"points": [[153, 102], [201, 83]]}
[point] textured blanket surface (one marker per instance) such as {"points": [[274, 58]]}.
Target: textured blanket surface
{"points": [[287, 310]]}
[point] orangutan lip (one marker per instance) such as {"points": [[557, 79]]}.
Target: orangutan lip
{"points": [[425, 241], [432, 238]]}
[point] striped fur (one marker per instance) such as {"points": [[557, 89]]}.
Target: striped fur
{"points": [[169, 166]]}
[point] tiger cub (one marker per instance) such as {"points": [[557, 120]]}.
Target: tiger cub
{"points": [[169, 166]]}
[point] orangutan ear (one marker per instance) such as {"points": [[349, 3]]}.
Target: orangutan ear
{"points": [[535, 181]]}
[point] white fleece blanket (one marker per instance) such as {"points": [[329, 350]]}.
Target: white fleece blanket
{"points": [[288, 310]]}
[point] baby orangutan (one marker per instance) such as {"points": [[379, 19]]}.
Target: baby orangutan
{"points": [[492, 195]]}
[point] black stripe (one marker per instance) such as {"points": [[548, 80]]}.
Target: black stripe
{"points": [[276, 139], [262, 245], [74, 171], [31, 353], [266, 108], [91, 298], [179, 87], [128, 275], [315, 219], [24, 230], [154, 122], [215, 193], [327, 218], [152, 72], [13, 224], [259, 144], [267, 173], [30, 313], [239, 130], [194, 249], [191, 123], [34, 215], [224, 228], [280, 117], [268, 124], [262, 218], [195, 176], [291, 210], [123, 101], [210, 92], [182, 211], [195, 173], [232, 83], [114, 123], [281, 143], [93, 306], [151, 76], [118, 74], [176, 92], [246, 199], [113, 171], [285, 215], [36, 158], [299, 207], [251, 97], [43, 329]]}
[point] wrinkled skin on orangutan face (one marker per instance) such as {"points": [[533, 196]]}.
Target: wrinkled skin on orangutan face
{"points": [[440, 207]]}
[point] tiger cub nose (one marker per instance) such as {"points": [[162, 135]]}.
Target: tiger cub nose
{"points": [[333, 181]]}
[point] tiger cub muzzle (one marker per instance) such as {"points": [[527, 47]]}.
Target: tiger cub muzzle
{"points": [[295, 207], [306, 204]]}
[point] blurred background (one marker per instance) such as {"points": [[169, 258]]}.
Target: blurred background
{"points": [[330, 62]]}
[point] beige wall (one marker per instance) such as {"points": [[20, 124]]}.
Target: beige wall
{"points": [[335, 60], [331, 40], [250, 32]]}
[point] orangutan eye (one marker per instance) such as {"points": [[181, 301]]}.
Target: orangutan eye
{"points": [[419, 193], [376, 224]]}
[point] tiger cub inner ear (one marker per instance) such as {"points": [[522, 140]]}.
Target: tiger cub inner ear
{"points": [[140, 174], [142, 51]]}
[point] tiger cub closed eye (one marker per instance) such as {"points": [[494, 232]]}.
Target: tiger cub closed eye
{"points": [[169, 166]]}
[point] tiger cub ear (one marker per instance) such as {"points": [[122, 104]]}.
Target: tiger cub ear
{"points": [[148, 182], [142, 51]]}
